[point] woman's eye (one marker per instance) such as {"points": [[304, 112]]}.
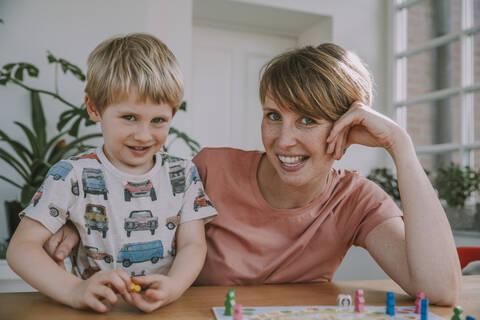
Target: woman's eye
{"points": [[307, 121], [273, 116], [128, 117], [158, 120]]}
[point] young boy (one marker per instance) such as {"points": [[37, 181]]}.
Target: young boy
{"points": [[140, 213]]}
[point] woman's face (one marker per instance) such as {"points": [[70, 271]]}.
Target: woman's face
{"points": [[295, 145]]}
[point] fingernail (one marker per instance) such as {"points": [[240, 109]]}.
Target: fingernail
{"points": [[61, 255]]}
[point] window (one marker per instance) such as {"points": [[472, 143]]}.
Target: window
{"points": [[436, 89]]}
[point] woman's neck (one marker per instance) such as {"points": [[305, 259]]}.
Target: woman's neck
{"points": [[283, 196]]}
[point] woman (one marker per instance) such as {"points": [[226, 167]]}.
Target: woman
{"points": [[286, 216]]}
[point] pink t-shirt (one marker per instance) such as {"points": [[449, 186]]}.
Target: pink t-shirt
{"points": [[249, 242]]}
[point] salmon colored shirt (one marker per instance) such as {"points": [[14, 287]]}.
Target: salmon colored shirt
{"points": [[250, 242]]}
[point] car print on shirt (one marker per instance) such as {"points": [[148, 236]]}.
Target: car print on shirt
{"points": [[75, 189], [140, 274], [193, 175], [177, 178], [94, 182], [93, 253], [60, 170], [140, 252], [173, 251], [139, 189], [96, 219], [91, 155], [141, 220], [37, 196], [201, 201], [88, 272], [172, 222], [56, 211]]}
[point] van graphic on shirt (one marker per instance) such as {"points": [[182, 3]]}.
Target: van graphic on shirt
{"points": [[96, 219], [172, 222], [139, 189], [140, 252], [139, 220], [60, 170], [94, 182]]}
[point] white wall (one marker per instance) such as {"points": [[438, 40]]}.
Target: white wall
{"points": [[71, 29]]}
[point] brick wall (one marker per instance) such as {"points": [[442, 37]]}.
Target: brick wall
{"points": [[420, 77]]}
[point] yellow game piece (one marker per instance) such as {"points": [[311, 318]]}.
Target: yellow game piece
{"points": [[135, 287]]}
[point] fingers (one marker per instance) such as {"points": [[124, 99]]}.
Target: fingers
{"points": [[144, 303], [121, 282], [69, 240]]}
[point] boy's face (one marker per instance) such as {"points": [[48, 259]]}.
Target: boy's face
{"points": [[133, 132]]}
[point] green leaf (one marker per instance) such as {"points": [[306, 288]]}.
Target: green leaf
{"points": [[3, 81], [53, 140], [38, 120], [27, 194], [14, 163], [10, 181], [19, 73], [32, 71], [31, 138], [50, 57], [74, 129], [9, 66], [183, 106], [19, 148]]}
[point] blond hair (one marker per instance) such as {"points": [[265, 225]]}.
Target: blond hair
{"points": [[319, 82], [136, 63]]}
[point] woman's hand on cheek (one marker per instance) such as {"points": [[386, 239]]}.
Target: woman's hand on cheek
{"points": [[365, 126]]}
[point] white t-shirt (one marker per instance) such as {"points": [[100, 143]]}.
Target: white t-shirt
{"points": [[124, 221]]}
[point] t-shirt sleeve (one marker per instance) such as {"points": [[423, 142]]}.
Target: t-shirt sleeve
{"points": [[51, 203], [379, 207], [196, 204]]}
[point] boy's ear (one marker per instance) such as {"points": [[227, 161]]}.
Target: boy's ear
{"points": [[92, 110]]}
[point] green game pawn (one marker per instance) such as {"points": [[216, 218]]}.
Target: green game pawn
{"points": [[229, 302], [457, 313]]}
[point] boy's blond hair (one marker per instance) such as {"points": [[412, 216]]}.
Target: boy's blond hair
{"points": [[319, 82], [136, 63]]}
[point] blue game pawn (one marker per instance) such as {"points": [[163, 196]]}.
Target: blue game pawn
{"points": [[390, 304], [469, 318], [424, 310]]}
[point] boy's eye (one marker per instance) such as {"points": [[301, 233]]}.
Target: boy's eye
{"points": [[128, 117], [307, 121], [273, 116], [158, 120]]}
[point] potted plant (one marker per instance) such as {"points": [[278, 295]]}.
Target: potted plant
{"points": [[33, 161], [455, 185], [387, 181]]}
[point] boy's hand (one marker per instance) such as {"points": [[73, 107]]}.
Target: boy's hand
{"points": [[101, 285], [61, 243], [160, 291]]}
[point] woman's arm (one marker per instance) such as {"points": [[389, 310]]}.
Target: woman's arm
{"points": [[418, 253]]}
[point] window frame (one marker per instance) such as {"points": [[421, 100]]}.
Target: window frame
{"points": [[399, 100]]}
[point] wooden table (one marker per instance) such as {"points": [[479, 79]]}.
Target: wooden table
{"points": [[197, 302]]}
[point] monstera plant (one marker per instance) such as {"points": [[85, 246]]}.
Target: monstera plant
{"points": [[32, 161]]}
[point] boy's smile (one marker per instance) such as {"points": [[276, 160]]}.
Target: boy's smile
{"points": [[133, 132]]}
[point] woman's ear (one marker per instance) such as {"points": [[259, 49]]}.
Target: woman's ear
{"points": [[92, 110]]}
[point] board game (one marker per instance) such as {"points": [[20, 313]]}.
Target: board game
{"points": [[322, 312]]}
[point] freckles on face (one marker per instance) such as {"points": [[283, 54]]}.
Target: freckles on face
{"points": [[295, 144]]}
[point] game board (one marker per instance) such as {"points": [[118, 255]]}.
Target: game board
{"points": [[323, 313]]}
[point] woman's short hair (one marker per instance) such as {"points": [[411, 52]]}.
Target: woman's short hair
{"points": [[319, 82], [136, 63]]}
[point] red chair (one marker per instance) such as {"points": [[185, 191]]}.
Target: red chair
{"points": [[468, 254]]}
